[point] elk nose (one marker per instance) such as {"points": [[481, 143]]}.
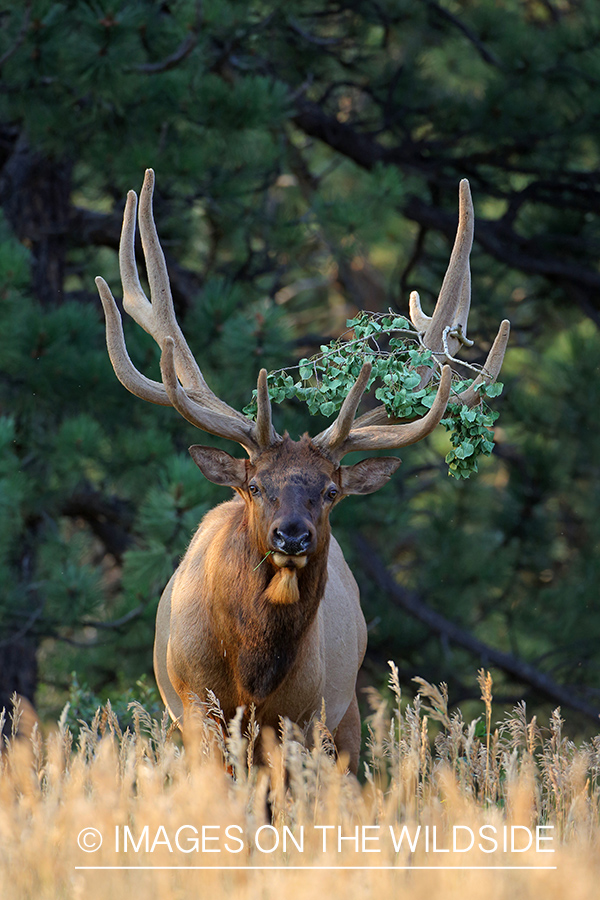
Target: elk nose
{"points": [[292, 545]]}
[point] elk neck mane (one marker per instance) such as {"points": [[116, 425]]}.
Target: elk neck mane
{"points": [[261, 611]]}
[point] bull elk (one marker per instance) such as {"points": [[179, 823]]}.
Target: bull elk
{"points": [[263, 609]]}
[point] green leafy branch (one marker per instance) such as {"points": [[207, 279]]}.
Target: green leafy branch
{"points": [[396, 352]]}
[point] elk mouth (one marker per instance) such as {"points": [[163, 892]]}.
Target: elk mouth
{"points": [[288, 560], [291, 543]]}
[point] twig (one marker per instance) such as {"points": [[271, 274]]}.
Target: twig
{"points": [[483, 51], [24, 629], [178, 55], [20, 36], [118, 623], [262, 561]]}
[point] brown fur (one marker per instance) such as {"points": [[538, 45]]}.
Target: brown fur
{"points": [[282, 637], [283, 588]]}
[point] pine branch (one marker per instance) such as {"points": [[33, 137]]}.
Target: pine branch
{"points": [[489, 656], [507, 246], [20, 36], [181, 53], [88, 228], [497, 238], [483, 51], [115, 624]]}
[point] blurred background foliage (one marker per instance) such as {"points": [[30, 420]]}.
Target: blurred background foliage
{"points": [[308, 157]]}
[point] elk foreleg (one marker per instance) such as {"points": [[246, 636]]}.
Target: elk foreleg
{"points": [[347, 735]]}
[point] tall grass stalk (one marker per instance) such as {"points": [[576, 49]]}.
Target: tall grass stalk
{"points": [[142, 785]]}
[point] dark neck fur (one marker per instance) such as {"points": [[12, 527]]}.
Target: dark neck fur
{"points": [[265, 637]]}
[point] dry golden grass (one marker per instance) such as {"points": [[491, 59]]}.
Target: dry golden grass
{"points": [[516, 775]]}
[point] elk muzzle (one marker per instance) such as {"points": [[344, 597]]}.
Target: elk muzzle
{"points": [[291, 542]]}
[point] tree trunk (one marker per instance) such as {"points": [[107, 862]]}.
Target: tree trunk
{"points": [[18, 673], [35, 196]]}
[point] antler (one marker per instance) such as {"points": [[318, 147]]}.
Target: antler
{"points": [[446, 330], [183, 385], [443, 333], [345, 435]]}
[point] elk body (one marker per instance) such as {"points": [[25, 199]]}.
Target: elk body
{"points": [[263, 608]]}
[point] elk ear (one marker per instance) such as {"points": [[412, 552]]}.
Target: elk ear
{"points": [[368, 475], [218, 466]]}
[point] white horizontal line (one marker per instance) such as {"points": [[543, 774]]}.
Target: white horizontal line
{"points": [[327, 868]]}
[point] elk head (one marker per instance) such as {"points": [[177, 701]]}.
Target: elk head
{"points": [[289, 487], [289, 490]]}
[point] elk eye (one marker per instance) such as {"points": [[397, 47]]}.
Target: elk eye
{"points": [[254, 490], [332, 493]]}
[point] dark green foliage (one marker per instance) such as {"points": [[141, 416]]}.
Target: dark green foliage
{"points": [[83, 705], [325, 379], [307, 158]]}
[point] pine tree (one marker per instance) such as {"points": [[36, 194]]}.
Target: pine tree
{"points": [[307, 164]]}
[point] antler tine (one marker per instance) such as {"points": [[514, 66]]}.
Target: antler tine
{"points": [[469, 397], [491, 370], [207, 419], [160, 313], [164, 321], [183, 385], [135, 301], [454, 301], [265, 434], [125, 371], [443, 333], [393, 437], [335, 435]]}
